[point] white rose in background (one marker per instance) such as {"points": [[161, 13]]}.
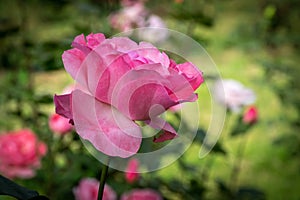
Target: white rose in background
{"points": [[159, 33], [233, 94]]}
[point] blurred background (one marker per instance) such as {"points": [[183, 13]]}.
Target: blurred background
{"points": [[256, 43]]}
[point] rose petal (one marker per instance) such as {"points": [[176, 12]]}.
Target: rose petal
{"points": [[93, 40], [109, 78], [169, 132], [72, 60], [107, 129], [138, 90], [180, 89], [191, 72], [63, 105]]}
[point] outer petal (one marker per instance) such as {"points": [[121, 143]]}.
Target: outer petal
{"points": [[63, 105], [168, 131], [180, 89], [107, 129], [191, 73], [72, 60]]}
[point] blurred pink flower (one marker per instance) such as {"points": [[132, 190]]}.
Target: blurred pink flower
{"points": [[120, 82], [129, 17], [131, 174], [250, 115], [141, 194], [126, 3], [88, 190], [233, 94], [135, 15], [20, 153], [59, 124]]}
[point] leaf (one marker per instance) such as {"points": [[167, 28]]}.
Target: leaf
{"points": [[10, 188]]}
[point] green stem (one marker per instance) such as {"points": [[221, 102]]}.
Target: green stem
{"points": [[103, 179], [238, 162]]}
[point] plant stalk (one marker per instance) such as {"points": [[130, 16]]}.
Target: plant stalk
{"points": [[103, 179]]}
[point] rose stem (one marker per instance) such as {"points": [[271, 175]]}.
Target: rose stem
{"points": [[238, 162], [103, 179]]}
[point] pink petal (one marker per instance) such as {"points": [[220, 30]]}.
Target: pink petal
{"points": [[138, 91], [111, 49], [180, 89], [63, 105], [109, 78], [80, 39], [107, 129], [150, 52], [83, 48], [168, 131], [94, 40], [191, 72], [72, 60], [163, 71]]}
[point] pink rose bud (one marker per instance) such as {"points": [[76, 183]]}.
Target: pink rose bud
{"points": [[20, 154], [88, 190], [59, 124], [131, 174], [251, 115], [144, 194]]}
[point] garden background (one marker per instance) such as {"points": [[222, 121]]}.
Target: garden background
{"points": [[253, 42]]}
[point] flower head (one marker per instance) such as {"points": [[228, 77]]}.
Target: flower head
{"points": [[120, 82], [20, 153], [145, 194], [88, 190]]}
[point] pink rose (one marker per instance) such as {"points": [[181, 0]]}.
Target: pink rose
{"points": [[129, 17], [131, 174], [88, 190], [20, 154], [145, 194], [121, 81], [59, 124], [251, 115]]}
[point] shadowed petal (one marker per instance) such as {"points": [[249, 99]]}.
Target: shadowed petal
{"points": [[168, 131], [63, 105]]}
